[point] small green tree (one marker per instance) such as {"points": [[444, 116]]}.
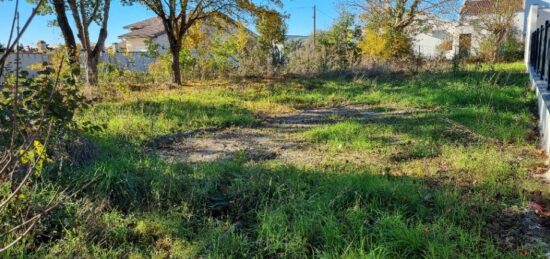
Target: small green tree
{"points": [[340, 42], [179, 16], [390, 25], [496, 25], [152, 50], [272, 33], [335, 49]]}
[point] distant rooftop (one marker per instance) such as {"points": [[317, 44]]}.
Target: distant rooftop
{"points": [[478, 7], [149, 28], [153, 27]]}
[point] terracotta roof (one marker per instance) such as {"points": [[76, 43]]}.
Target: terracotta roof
{"points": [[153, 27], [478, 7], [149, 28]]}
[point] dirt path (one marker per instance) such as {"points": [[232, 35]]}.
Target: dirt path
{"points": [[276, 137]]}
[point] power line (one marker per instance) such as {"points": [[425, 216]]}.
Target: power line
{"points": [[314, 26], [297, 7], [323, 13]]}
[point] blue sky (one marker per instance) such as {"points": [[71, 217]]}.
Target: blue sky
{"points": [[299, 23]]}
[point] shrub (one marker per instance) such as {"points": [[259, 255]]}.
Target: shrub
{"points": [[160, 70], [219, 54], [373, 45], [487, 50], [510, 49], [305, 58], [384, 44], [37, 118], [334, 50]]}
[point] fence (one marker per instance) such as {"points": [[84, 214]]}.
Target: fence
{"points": [[134, 61], [540, 54], [538, 60]]}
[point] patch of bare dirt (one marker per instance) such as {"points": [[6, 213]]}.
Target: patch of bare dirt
{"points": [[522, 228], [256, 143], [275, 138]]}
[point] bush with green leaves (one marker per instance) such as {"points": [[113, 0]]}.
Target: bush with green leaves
{"points": [[49, 100], [333, 50], [37, 126], [340, 41], [509, 49], [512, 49]]}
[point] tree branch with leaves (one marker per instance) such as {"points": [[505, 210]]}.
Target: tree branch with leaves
{"points": [[394, 22], [496, 24], [84, 14], [178, 16]]}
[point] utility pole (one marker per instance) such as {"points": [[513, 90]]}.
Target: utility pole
{"points": [[314, 26], [15, 109]]}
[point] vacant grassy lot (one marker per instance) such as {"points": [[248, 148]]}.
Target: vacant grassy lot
{"points": [[426, 165]]}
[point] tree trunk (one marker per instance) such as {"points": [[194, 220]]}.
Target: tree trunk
{"points": [[91, 68], [68, 36], [501, 37], [176, 73], [270, 63], [83, 22]]}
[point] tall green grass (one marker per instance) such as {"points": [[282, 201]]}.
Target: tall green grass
{"points": [[426, 183]]}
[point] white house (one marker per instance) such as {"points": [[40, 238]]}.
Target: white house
{"points": [[463, 34], [428, 42], [467, 38], [151, 31], [143, 33]]}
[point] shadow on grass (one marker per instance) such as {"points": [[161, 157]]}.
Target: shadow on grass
{"points": [[242, 209]]}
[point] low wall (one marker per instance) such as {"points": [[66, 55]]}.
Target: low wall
{"points": [[26, 59], [133, 61], [543, 103]]}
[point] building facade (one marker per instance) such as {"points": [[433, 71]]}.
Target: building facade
{"points": [[468, 36], [144, 33]]}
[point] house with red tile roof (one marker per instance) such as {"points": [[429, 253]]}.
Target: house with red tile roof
{"points": [[151, 31], [467, 37]]}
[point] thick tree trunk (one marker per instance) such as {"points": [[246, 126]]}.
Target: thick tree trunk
{"points": [[68, 36], [91, 68], [176, 73]]}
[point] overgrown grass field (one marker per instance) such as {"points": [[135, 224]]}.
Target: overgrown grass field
{"points": [[441, 178]]}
